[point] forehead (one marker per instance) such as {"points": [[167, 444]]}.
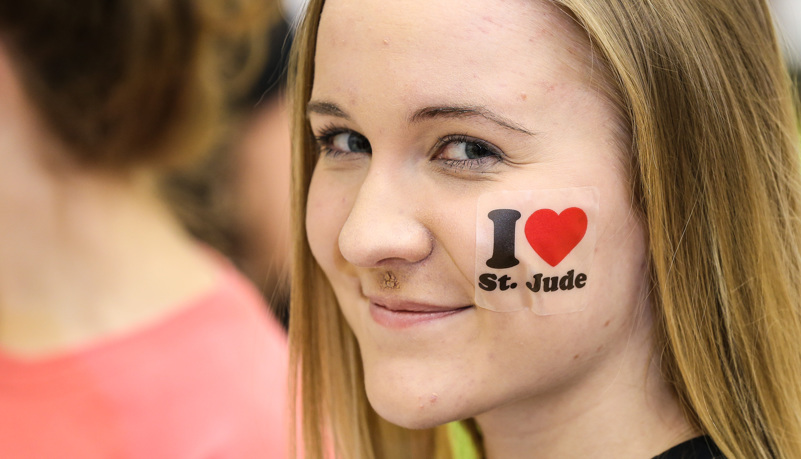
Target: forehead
{"points": [[485, 50]]}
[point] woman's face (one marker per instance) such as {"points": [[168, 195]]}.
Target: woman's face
{"points": [[421, 107]]}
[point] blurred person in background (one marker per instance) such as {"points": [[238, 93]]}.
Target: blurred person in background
{"points": [[259, 180], [120, 335], [237, 199]]}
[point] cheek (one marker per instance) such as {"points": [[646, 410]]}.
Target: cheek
{"points": [[622, 234], [324, 219], [622, 255], [451, 220]]}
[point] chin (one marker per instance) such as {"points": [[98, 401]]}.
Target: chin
{"points": [[409, 415], [414, 408]]}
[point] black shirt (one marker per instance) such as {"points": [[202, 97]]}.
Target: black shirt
{"points": [[697, 448]]}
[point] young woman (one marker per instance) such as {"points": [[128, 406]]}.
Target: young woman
{"points": [[120, 335], [643, 155]]}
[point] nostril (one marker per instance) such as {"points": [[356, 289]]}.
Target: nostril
{"points": [[384, 222]]}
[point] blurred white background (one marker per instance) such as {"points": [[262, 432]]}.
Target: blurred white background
{"points": [[788, 19]]}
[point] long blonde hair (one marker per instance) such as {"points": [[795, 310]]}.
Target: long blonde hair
{"points": [[703, 91]]}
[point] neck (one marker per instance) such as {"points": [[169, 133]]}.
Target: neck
{"points": [[621, 409], [84, 255]]}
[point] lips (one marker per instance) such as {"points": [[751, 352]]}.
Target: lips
{"points": [[403, 314]]}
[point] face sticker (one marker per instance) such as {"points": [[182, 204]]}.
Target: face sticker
{"points": [[534, 249]]}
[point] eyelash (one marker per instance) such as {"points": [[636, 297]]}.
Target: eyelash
{"points": [[469, 164], [326, 135]]}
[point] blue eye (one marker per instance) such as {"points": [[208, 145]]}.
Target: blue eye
{"points": [[338, 141], [463, 152], [457, 152]]}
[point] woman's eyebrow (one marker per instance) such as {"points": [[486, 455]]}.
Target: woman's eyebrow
{"points": [[326, 108], [467, 111]]}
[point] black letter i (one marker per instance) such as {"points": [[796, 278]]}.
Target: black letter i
{"points": [[503, 249]]}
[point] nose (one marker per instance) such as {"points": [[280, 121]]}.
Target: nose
{"points": [[383, 225]]}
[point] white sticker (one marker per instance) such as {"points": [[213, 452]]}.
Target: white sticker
{"points": [[534, 249]]}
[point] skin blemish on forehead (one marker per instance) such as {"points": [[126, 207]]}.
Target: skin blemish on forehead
{"points": [[490, 19], [493, 24]]}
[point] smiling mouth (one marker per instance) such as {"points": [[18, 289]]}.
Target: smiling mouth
{"points": [[401, 315]]}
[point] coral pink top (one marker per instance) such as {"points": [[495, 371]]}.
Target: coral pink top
{"points": [[207, 382]]}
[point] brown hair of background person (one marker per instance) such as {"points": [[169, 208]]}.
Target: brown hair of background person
{"points": [[128, 83]]}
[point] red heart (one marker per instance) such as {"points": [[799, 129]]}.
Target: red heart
{"points": [[554, 236]]}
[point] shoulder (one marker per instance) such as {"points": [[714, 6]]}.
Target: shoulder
{"points": [[222, 370], [697, 448], [236, 312]]}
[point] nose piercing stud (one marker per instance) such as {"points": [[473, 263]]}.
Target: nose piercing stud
{"points": [[390, 281]]}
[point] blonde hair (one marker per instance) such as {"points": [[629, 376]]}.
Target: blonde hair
{"points": [[704, 93]]}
